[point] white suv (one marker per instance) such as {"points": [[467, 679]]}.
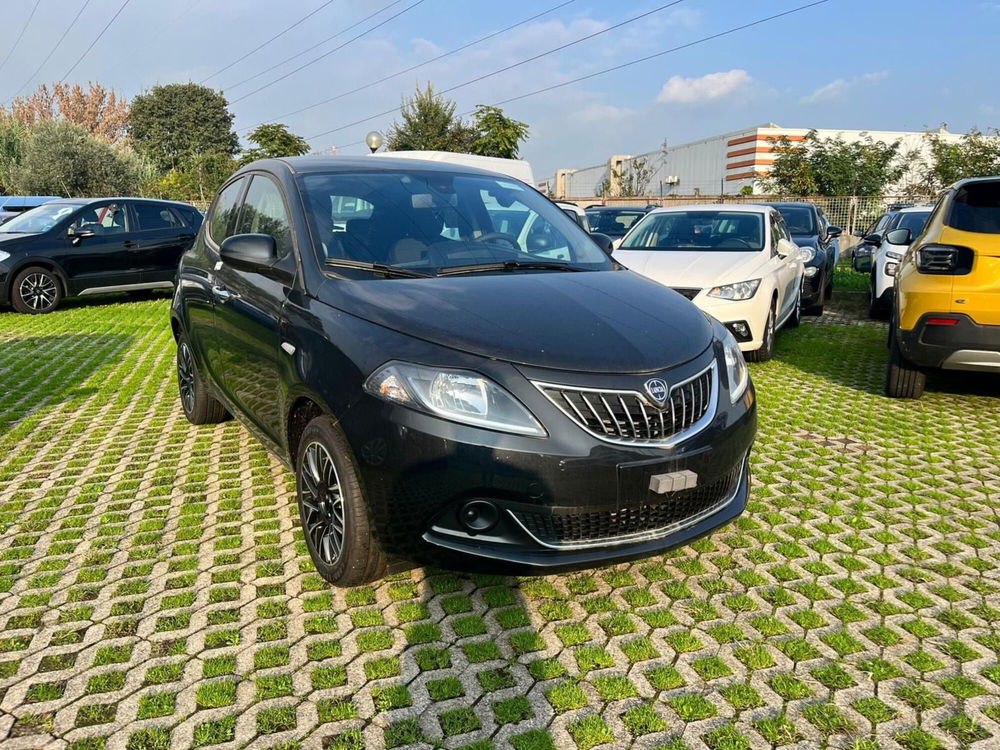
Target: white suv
{"points": [[881, 265]]}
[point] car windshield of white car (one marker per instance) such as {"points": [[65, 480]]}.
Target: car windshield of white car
{"points": [[435, 221], [721, 231], [914, 221]]}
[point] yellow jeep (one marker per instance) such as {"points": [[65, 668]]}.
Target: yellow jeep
{"points": [[947, 302]]}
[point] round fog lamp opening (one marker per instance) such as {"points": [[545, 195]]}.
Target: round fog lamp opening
{"points": [[478, 516]]}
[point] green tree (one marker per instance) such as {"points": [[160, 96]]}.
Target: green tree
{"points": [[12, 136], [61, 158], [977, 154], [498, 135], [630, 181], [198, 180], [831, 166], [274, 141], [429, 124], [173, 123]]}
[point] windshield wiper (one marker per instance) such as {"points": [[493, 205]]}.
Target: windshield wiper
{"points": [[509, 265], [378, 268]]}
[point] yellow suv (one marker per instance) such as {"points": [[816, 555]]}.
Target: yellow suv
{"points": [[947, 303]]}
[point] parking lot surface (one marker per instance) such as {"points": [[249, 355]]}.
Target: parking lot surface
{"points": [[155, 591]]}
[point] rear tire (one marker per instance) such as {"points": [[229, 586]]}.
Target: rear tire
{"points": [[766, 350], [332, 508], [877, 308], [903, 379], [35, 291], [199, 407]]}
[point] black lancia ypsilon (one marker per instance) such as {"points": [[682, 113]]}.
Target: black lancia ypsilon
{"points": [[457, 374]]}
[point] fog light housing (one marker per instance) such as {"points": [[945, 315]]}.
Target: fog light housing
{"points": [[478, 516], [890, 269], [740, 330]]}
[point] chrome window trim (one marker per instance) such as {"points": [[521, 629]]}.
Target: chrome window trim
{"points": [[670, 442], [644, 536]]}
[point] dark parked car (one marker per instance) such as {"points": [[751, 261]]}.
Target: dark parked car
{"points": [[614, 221], [810, 228], [92, 246], [12, 205], [446, 392]]}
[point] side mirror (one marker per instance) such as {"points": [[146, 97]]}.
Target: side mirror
{"points": [[834, 231], [603, 241], [254, 253], [862, 260], [872, 239], [899, 237], [77, 237]]}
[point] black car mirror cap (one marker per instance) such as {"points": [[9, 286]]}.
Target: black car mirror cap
{"points": [[254, 253], [603, 241], [901, 236], [873, 239], [834, 231]]}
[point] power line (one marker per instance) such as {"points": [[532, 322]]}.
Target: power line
{"points": [[540, 55], [264, 44], [637, 61], [19, 36], [54, 48], [411, 6], [419, 65], [314, 46], [96, 40]]}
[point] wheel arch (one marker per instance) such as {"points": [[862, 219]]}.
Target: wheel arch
{"points": [[45, 263], [303, 409]]}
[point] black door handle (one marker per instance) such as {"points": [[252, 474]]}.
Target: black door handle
{"points": [[130, 244]]}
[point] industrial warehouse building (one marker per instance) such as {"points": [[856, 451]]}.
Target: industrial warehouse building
{"points": [[720, 165]]}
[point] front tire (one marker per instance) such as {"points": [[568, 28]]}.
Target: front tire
{"points": [[766, 350], [795, 319], [198, 405], [877, 306], [902, 378], [332, 508], [36, 291]]}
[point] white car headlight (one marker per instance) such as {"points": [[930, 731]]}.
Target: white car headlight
{"points": [[739, 291], [737, 375], [3, 256], [459, 395]]}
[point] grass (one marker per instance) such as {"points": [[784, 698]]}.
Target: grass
{"points": [[852, 567]]}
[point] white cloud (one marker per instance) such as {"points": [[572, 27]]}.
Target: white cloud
{"points": [[706, 88], [838, 88]]}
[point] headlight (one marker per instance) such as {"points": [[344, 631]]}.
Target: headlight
{"points": [[738, 291], [3, 256], [807, 253], [458, 395], [736, 368]]}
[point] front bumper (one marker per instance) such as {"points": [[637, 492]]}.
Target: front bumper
{"points": [[753, 312], [565, 502], [965, 345]]}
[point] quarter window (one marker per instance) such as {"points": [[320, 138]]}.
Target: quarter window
{"points": [[264, 213], [224, 212]]}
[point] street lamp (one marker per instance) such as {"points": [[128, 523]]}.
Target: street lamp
{"points": [[374, 140]]}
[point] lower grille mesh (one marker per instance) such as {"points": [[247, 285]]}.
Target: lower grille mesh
{"points": [[566, 526]]}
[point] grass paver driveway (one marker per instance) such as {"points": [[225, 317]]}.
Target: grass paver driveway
{"points": [[155, 591]]}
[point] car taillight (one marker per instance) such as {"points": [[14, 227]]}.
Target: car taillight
{"points": [[944, 259]]}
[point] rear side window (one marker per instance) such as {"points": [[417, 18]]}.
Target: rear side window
{"points": [[153, 216], [264, 213], [976, 208], [224, 211]]}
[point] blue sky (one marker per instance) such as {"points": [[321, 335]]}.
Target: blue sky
{"points": [[867, 64]]}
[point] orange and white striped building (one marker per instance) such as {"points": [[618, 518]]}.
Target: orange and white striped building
{"points": [[722, 164]]}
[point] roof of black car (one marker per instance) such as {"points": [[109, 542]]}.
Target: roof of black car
{"points": [[307, 164]]}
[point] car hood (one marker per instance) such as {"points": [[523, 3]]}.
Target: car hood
{"points": [[694, 269], [802, 240], [595, 321]]}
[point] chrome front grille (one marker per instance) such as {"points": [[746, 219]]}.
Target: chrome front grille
{"points": [[632, 417]]}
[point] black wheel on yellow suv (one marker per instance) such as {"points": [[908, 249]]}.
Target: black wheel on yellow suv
{"points": [[903, 379]]}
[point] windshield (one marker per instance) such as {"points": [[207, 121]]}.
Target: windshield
{"points": [[801, 220], [613, 223], [724, 231], [913, 221], [40, 219], [977, 208], [430, 221]]}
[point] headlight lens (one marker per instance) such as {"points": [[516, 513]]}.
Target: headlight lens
{"points": [[458, 395], [3, 256], [891, 254], [807, 253], [739, 291], [737, 374]]}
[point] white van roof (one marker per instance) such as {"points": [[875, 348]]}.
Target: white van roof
{"points": [[516, 168]]}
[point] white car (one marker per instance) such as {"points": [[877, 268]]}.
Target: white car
{"points": [[885, 257], [736, 262]]}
